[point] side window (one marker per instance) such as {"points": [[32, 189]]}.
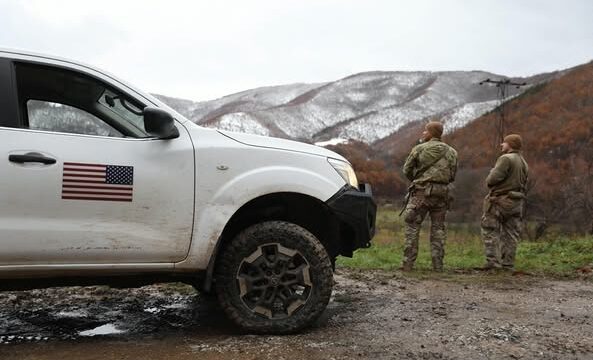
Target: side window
{"points": [[63, 100], [8, 109], [50, 116], [122, 108]]}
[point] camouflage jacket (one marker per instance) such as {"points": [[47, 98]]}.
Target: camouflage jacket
{"points": [[509, 174], [432, 161]]}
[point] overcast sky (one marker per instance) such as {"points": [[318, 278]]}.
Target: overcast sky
{"points": [[202, 50]]}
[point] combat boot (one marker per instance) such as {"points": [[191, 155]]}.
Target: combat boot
{"points": [[437, 266], [489, 266], [406, 267]]}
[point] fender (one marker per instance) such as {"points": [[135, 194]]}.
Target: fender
{"points": [[212, 217]]}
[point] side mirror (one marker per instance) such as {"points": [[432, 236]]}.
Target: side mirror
{"points": [[159, 123]]}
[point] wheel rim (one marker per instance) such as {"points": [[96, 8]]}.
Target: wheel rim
{"points": [[274, 281]]}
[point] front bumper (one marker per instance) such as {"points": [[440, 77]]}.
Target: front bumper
{"points": [[356, 213]]}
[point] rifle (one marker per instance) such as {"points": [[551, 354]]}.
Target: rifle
{"points": [[407, 198]]}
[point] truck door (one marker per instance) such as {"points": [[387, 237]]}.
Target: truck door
{"points": [[82, 182]]}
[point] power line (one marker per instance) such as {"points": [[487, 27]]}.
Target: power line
{"points": [[502, 86]]}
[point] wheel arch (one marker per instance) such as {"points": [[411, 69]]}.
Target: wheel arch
{"points": [[306, 211]]}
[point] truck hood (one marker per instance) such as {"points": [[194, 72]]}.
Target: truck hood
{"points": [[281, 144]]}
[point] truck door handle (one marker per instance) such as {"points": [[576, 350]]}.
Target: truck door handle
{"points": [[31, 157]]}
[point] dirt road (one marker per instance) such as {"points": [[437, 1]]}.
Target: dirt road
{"points": [[373, 315]]}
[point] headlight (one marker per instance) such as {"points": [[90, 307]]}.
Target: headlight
{"points": [[345, 170]]}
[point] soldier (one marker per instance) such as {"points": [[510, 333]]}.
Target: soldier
{"points": [[431, 167], [503, 206]]}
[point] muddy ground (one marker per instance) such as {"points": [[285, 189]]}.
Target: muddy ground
{"points": [[372, 315]]}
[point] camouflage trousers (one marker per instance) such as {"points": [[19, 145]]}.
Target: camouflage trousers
{"points": [[501, 229], [418, 207]]}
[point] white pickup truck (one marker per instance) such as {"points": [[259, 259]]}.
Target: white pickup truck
{"points": [[101, 183]]}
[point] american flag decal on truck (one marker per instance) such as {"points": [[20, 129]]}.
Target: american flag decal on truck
{"points": [[81, 181]]}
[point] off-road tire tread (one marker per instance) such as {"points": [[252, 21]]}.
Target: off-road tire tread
{"points": [[293, 236]]}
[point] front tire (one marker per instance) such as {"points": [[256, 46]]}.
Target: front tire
{"points": [[274, 277]]}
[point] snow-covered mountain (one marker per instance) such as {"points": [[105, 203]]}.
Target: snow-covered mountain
{"points": [[367, 106]]}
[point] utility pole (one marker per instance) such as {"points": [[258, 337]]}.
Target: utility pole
{"points": [[503, 91]]}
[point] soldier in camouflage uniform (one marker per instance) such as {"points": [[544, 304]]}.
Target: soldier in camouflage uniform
{"points": [[431, 166], [503, 206]]}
